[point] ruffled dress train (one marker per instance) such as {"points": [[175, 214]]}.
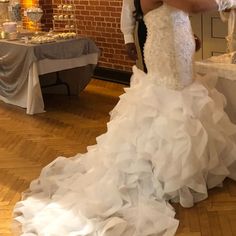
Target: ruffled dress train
{"points": [[161, 144]]}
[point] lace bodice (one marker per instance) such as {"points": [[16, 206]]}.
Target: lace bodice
{"points": [[170, 47]]}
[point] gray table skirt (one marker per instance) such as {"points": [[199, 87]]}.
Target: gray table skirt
{"points": [[16, 59]]}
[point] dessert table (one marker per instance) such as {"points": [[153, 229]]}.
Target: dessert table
{"points": [[222, 75], [21, 64]]}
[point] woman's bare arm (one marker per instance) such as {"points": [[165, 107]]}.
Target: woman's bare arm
{"points": [[193, 6], [148, 5]]}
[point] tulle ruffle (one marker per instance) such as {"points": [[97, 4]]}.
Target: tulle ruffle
{"points": [[161, 145]]}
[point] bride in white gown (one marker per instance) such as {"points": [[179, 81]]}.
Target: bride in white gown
{"points": [[168, 139]]}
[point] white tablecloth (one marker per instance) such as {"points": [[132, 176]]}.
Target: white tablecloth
{"points": [[225, 81], [30, 96]]}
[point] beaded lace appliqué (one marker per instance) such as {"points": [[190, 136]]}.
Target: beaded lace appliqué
{"points": [[169, 47]]}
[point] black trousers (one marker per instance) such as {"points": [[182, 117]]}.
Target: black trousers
{"points": [[142, 35]]}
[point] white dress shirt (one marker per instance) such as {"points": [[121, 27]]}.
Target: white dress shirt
{"points": [[127, 23]]}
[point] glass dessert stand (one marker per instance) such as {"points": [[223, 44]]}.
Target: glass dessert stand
{"points": [[35, 15]]}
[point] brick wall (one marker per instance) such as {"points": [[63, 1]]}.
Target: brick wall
{"points": [[99, 20], [47, 7]]}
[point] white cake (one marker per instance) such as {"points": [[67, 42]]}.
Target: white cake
{"points": [[9, 27]]}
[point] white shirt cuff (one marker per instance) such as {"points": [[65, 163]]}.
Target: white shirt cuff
{"points": [[129, 38]]}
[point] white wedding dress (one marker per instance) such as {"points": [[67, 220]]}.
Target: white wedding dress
{"points": [[168, 139]]}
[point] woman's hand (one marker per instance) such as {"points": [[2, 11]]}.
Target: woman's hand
{"points": [[148, 5]]}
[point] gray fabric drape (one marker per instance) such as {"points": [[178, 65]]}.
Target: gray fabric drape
{"points": [[16, 59], [65, 49]]}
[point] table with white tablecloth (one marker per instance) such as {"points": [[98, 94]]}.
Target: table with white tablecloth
{"points": [[21, 86], [223, 77]]}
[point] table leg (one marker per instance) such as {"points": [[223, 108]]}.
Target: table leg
{"points": [[58, 82]]}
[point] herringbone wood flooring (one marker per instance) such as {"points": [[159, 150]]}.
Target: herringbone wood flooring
{"points": [[27, 143]]}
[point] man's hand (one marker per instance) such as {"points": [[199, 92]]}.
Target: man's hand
{"points": [[197, 43], [131, 51]]}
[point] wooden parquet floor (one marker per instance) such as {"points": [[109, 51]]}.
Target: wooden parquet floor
{"points": [[27, 143]]}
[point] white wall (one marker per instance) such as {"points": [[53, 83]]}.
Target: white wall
{"points": [[212, 32]]}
